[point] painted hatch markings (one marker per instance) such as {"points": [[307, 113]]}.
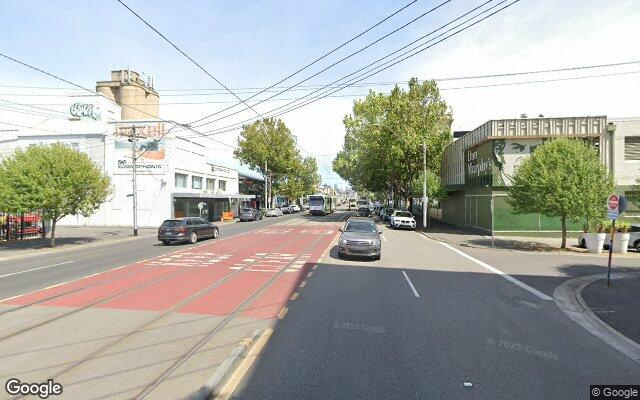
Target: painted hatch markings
{"points": [[203, 266]]}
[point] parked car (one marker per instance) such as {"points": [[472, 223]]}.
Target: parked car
{"points": [[250, 214], [364, 212], [402, 219], [387, 213], [186, 230], [634, 238], [295, 208], [360, 237], [285, 209], [274, 212]]}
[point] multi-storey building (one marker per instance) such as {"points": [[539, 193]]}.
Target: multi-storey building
{"points": [[478, 166]]}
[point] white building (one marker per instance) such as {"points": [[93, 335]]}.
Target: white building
{"points": [[174, 174]]}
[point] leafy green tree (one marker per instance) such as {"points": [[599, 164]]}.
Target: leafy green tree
{"points": [[562, 178], [303, 181], [382, 149], [435, 189], [55, 179], [268, 141]]}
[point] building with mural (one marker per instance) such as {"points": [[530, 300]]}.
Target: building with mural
{"points": [[477, 168]]}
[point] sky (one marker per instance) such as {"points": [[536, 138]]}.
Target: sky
{"points": [[255, 44]]}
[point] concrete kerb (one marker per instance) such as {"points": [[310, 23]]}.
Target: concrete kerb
{"points": [[211, 387], [568, 297]]}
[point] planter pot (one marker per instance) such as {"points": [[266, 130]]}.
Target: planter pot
{"points": [[595, 242], [621, 242]]}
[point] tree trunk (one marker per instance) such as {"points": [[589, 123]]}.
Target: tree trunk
{"points": [[53, 232], [564, 232]]}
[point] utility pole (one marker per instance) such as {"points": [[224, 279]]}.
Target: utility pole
{"points": [[424, 185], [266, 194], [134, 158]]}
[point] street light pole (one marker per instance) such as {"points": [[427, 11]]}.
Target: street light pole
{"points": [[424, 185], [134, 158], [266, 194]]}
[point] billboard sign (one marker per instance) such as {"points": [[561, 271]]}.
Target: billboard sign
{"points": [[151, 149]]}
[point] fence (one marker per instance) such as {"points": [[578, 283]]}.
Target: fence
{"points": [[20, 226]]}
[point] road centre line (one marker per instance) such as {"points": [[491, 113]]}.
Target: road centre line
{"points": [[415, 292], [35, 269], [497, 271]]}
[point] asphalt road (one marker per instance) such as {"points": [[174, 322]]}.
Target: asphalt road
{"points": [[426, 322], [24, 275]]}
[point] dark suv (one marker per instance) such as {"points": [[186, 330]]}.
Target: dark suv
{"points": [[186, 230]]}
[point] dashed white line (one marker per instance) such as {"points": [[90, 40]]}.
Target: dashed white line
{"points": [[35, 269], [415, 292]]}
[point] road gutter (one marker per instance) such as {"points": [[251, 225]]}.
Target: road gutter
{"points": [[568, 298]]}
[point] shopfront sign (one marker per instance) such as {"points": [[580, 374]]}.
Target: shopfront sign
{"points": [[150, 159], [80, 110]]}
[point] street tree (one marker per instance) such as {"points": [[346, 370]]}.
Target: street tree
{"points": [[268, 143], [563, 178], [382, 150], [435, 188], [55, 179], [303, 181]]}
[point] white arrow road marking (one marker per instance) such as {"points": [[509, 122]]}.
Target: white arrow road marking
{"points": [[35, 269]]}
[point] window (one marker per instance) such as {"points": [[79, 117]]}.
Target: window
{"points": [[632, 148], [222, 185], [196, 182], [211, 184], [181, 180]]}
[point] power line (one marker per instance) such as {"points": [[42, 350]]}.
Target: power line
{"points": [[319, 58], [373, 63], [185, 54], [331, 65]]}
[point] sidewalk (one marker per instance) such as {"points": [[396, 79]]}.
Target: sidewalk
{"points": [[617, 305], [71, 236]]}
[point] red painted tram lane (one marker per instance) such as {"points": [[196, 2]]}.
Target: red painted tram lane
{"points": [[212, 266], [272, 300], [224, 299], [106, 282]]}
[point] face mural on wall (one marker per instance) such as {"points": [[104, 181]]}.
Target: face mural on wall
{"points": [[508, 155]]}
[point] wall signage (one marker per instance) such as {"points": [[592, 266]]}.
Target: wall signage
{"points": [[80, 110]]}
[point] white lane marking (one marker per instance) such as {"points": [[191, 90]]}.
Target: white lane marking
{"points": [[497, 271], [415, 292], [383, 237], [35, 269]]}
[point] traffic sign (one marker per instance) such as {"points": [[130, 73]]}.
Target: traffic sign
{"points": [[613, 214], [613, 202], [201, 205]]}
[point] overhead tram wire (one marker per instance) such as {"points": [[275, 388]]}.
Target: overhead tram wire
{"points": [[317, 59], [369, 74], [225, 129], [334, 63], [93, 92], [197, 64], [186, 55], [363, 84]]}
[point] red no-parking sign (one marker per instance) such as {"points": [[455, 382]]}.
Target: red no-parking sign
{"points": [[613, 207]]}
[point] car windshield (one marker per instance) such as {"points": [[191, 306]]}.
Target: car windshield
{"points": [[403, 214], [171, 222], [360, 226], [247, 210]]}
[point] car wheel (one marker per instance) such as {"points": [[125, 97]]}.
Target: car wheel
{"points": [[583, 243], [216, 233], [377, 257], [193, 237], [340, 255], [166, 242], [637, 245]]}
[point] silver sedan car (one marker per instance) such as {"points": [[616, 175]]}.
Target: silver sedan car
{"points": [[274, 212], [360, 237]]}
